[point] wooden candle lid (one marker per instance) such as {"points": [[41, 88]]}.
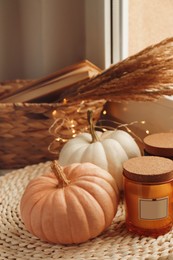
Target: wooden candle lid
{"points": [[159, 144], [149, 169]]}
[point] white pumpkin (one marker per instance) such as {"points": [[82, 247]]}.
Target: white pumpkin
{"points": [[108, 150]]}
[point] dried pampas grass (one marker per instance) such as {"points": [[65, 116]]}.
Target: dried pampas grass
{"points": [[144, 76]]}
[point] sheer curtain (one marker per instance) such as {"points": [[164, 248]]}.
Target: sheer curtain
{"points": [[38, 37]]}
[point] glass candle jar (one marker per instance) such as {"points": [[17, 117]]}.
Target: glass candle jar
{"points": [[159, 144], [148, 195]]}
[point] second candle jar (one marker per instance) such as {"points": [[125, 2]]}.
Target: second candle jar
{"points": [[148, 195], [159, 144]]}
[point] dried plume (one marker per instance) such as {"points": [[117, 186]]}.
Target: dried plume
{"points": [[144, 76]]}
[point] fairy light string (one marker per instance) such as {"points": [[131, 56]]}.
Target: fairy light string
{"points": [[67, 125]]}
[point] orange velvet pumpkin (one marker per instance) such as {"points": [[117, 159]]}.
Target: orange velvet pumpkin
{"points": [[71, 204]]}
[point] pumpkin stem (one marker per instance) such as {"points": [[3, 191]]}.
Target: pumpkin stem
{"points": [[59, 173], [91, 124]]}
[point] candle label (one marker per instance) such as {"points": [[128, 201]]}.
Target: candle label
{"points": [[152, 209]]}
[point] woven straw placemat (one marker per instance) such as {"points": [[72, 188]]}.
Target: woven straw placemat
{"points": [[115, 243]]}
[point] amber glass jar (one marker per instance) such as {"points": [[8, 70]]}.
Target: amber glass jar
{"points": [[159, 144], [148, 195]]}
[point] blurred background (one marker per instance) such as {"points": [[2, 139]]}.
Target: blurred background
{"points": [[38, 37]]}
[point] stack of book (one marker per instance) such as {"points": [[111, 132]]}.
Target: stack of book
{"points": [[50, 88]]}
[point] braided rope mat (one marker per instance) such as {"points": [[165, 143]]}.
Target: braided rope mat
{"points": [[115, 243]]}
